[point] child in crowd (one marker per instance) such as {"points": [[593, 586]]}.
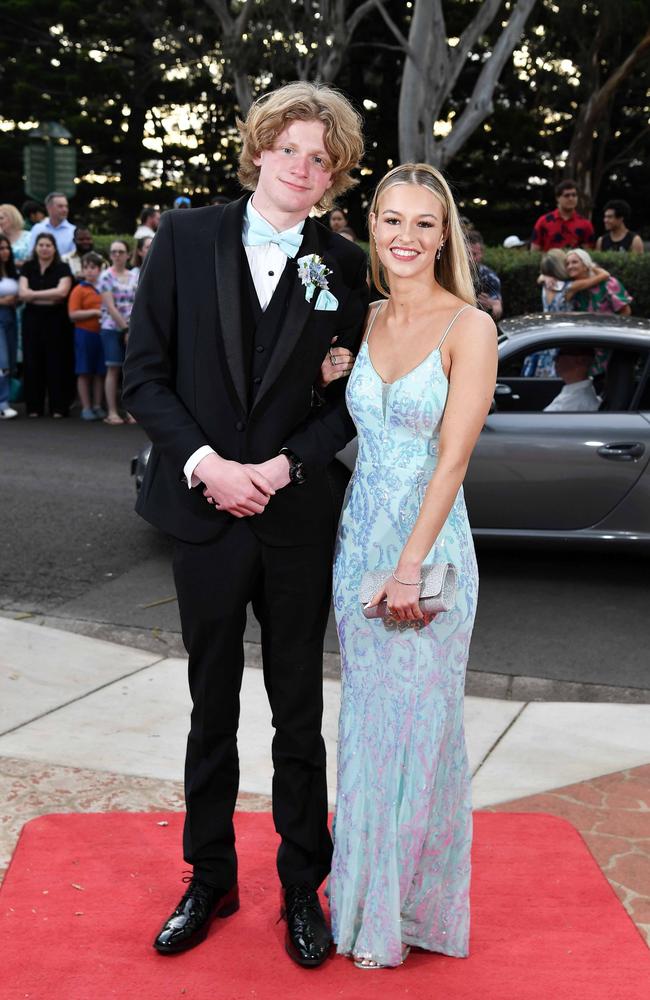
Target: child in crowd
{"points": [[84, 309]]}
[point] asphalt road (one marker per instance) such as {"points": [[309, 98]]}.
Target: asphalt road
{"points": [[72, 551]]}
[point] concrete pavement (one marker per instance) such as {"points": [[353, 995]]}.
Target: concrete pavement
{"points": [[87, 724]]}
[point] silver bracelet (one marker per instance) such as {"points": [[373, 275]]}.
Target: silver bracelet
{"points": [[404, 582]]}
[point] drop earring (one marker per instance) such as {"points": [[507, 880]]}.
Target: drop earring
{"points": [[439, 253]]}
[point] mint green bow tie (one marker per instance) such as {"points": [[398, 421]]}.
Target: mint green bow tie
{"points": [[260, 232]]}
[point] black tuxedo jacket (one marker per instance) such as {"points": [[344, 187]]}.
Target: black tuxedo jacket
{"points": [[186, 377]]}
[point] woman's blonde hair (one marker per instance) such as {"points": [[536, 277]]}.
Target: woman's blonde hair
{"points": [[553, 265], [269, 115], [17, 221], [454, 269], [584, 257]]}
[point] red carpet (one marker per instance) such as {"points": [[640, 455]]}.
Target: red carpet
{"points": [[85, 895]]}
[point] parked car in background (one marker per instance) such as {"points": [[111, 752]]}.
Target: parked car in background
{"points": [[557, 477]]}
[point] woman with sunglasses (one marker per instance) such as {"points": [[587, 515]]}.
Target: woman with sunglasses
{"points": [[117, 287]]}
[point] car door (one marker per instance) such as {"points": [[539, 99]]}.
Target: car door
{"points": [[554, 471]]}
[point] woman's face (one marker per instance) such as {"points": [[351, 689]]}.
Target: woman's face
{"points": [[118, 254], [5, 251], [575, 267], [44, 250], [144, 249], [5, 222], [408, 229], [337, 220]]}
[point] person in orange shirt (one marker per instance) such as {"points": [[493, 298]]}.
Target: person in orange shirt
{"points": [[84, 309]]}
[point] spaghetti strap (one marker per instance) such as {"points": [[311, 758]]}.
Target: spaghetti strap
{"points": [[375, 313], [453, 320]]}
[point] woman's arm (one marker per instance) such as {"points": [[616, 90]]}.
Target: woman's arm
{"points": [[471, 390], [580, 284], [25, 293], [46, 296], [114, 313], [8, 300]]}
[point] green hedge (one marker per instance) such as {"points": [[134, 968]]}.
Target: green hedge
{"points": [[518, 270], [102, 242]]}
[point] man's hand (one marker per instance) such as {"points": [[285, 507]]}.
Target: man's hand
{"points": [[275, 471], [241, 490]]}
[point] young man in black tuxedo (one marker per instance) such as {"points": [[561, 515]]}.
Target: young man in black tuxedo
{"points": [[236, 309]]}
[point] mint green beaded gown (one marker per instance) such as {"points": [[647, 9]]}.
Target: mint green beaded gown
{"points": [[402, 830]]}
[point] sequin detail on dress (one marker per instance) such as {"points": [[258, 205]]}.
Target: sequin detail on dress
{"points": [[403, 826]]}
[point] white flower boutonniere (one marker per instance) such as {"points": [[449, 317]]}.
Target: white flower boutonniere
{"points": [[313, 273]]}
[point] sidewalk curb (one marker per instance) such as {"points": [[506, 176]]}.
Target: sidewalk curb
{"points": [[480, 684]]}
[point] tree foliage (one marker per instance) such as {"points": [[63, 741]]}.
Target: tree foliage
{"points": [[151, 92]]}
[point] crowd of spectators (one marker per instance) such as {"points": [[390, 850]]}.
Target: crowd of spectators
{"points": [[64, 309]]}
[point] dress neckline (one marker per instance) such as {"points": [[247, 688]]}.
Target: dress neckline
{"points": [[436, 350]]}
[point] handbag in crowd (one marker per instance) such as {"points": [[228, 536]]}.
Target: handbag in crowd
{"points": [[437, 592]]}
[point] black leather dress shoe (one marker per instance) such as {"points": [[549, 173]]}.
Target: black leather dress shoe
{"points": [[189, 923], [308, 937]]}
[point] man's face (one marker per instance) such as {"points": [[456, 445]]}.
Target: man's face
{"points": [[91, 273], [154, 221], [568, 200], [296, 172], [572, 367], [83, 241], [611, 219], [58, 210]]}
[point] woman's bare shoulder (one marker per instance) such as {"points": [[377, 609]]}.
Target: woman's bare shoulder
{"points": [[475, 321], [473, 334]]}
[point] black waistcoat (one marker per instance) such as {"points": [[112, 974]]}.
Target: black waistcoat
{"points": [[261, 328]]}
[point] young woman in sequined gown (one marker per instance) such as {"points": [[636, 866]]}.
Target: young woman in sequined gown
{"points": [[419, 393]]}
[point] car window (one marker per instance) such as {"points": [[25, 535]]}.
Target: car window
{"points": [[573, 378]]}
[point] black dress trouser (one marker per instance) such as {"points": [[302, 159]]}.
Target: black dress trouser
{"points": [[289, 588]]}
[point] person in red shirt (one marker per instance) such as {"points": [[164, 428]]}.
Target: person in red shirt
{"points": [[84, 309], [564, 227]]}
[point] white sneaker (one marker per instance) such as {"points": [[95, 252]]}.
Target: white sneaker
{"points": [[8, 413]]}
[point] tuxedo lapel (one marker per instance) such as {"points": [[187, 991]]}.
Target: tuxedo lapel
{"points": [[297, 313], [228, 259]]}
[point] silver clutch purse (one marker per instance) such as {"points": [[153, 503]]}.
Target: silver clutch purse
{"points": [[438, 591]]}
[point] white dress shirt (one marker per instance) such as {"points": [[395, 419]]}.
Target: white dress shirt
{"points": [[266, 263], [579, 396]]}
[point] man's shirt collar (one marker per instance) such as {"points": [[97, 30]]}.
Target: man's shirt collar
{"points": [[252, 213]]}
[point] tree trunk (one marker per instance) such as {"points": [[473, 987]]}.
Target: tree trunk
{"points": [[591, 115], [431, 69], [411, 97]]}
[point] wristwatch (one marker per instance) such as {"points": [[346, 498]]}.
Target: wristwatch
{"points": [[296, 468]]}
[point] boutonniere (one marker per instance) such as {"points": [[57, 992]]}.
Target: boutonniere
{"points": [[313, 273]]}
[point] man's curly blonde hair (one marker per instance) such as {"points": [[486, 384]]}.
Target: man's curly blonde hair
{"points": [[269, 115]]}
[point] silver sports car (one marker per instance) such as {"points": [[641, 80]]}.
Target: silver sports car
{"points": [[558, 476], [581, 477]]}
